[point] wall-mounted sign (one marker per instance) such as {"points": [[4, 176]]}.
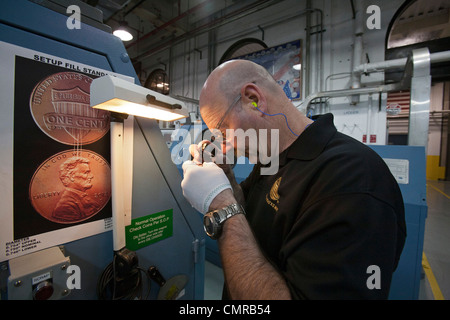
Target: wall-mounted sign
{"points": [[284, 62], [54, 163], [149, 229]]}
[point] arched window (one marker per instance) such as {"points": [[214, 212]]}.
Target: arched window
{"points": [[242, 47], [419, 24], [158, 81]]}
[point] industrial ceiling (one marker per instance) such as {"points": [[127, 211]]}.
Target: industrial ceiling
{"points": [[157, 25]]}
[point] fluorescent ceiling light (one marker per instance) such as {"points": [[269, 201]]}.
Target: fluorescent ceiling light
{"points": [[118, 95]]}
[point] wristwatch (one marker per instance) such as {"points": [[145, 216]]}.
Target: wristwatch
{"points": [[213, 220]]}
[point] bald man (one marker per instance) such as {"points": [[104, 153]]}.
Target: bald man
{"points": [[328, 224]]}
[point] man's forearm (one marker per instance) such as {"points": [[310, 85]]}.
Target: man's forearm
{"points": [[248, 274], [237, 190]]}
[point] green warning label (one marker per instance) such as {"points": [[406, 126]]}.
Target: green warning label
{"points": [[146, 230]]}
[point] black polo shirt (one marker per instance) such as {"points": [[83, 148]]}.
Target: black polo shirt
{"points": [[331, 211]]}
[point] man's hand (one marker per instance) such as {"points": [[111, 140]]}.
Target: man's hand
{"points": [[203, 183], [201, 153]]}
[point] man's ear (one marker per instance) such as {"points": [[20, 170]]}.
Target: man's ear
{"points": [[252, 97]]}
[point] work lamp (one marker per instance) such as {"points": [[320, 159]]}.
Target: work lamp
{"points": [[123, 98], [117, 95]]}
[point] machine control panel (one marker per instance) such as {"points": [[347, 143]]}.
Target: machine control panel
{"points": [[40, 275]]}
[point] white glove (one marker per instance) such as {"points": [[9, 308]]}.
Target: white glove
{"points": [[201, 184]]}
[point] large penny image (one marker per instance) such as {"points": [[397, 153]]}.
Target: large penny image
{"points": [[60, 106], [71, 186]]}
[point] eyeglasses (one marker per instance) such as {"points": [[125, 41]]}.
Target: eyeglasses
{"points": [[228, 111]]}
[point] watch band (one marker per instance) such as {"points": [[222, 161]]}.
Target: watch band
{"points": [[214, 220], [229, 211]]}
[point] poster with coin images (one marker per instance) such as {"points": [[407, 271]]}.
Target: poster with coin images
{"points": [[55, 159]]}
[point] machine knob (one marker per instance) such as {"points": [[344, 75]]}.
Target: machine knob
{"points": [[43, 291]]}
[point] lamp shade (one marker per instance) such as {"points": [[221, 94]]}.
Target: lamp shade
{"points": [[118, 95]]}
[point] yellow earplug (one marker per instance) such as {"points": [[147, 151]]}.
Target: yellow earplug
{"points": [[254, 104]]}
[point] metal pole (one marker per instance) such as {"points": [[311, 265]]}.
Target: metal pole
{"points": [[117, 200]]}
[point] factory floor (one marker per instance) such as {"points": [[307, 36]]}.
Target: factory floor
{"points": [[435, 282]]}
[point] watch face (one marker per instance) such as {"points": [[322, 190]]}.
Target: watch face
{"points": [[208, 224], [211, 224]]}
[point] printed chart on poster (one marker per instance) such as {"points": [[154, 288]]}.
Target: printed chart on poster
{"points": [[55, 168]]}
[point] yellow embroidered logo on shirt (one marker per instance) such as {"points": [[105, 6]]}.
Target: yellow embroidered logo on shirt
{"points": [[274, 195]]}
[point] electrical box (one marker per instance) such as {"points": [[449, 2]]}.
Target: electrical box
{"points": [[40, 275]]}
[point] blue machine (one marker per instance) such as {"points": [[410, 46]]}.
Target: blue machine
{"points": [[156, 181], [408, 165]]}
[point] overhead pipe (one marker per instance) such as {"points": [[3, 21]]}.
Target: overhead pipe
{"points": [[318, 46], [436, 57], [357, 44], [169, 23], [262, 32], [307, 62], [377, 66], [357, 48], [239, 13], [318, 43], [116, 12], [296, 15], [243, 34], [134, 7]]}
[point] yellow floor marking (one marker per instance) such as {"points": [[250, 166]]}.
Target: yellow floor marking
{"points": [[431, 279], [438, 190]]}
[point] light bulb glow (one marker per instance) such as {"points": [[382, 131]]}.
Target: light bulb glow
{"points": [[123, 35]]}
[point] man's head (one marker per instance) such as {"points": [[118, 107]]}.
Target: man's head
{"points": [[75, 173], [229, 96], [236, 79]]}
